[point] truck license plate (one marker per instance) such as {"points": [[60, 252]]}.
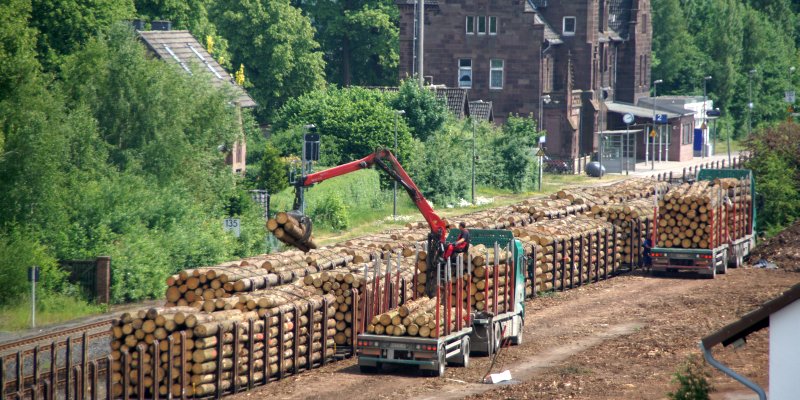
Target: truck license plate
{"points": [[400, 346]]}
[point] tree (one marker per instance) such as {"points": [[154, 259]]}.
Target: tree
{"points": [[276, 44], [272, 171], [352, 123], [65, 26], [679, 62], [360, 40], [425, 114]]}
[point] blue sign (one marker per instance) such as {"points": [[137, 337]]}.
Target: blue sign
{"points": [[660, 118]]}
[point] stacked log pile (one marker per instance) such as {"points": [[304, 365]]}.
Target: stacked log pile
{"points": [[414, 318], [344, 282], [289, 230], [632, 220], [690, 216], [193, 286], [704, 214], [738, 207], [195, 336], [491, 279], [584, 248]]}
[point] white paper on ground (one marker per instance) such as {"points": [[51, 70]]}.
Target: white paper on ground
{"points": [[501, 377]]}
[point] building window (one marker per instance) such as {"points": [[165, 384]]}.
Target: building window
{"points": [[493, 25], [465, 73], [569, 26], [644, 23], [496, 74], [470, 25], [481, 25], [687, 134]]}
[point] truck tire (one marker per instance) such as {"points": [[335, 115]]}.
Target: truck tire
{"points": [[517, 340], [441, 364], [497, 338], [462, 359]]}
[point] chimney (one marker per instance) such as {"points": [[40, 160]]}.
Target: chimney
{"points": [[161, 25], [138, 24]]}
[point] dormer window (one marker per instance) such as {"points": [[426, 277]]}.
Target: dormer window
{"points": [[568, 26]]}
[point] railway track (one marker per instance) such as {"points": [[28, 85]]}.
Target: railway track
{"points": [[93, 330]]}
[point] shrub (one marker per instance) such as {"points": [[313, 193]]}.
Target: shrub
{"points": [[331, 213], [18, 251], [692, 380], [272, 172], [352, 123], [425, 114]]}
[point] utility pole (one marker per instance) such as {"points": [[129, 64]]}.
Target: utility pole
{"points": [[421, 42], [394, 200], [750, 101], [705, 117], [473, 160]]}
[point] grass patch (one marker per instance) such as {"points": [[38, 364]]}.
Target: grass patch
{"points": [[722, 146], [571, 370], [51, 309]]}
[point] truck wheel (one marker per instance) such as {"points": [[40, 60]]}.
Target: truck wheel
{"points": [[497, 339], [517, 340], [713, 273], [442, 363], [463, 358]]}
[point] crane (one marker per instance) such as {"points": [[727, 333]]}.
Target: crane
{"points": [[384, 159]]}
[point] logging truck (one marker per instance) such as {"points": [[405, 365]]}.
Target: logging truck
{"points": [[706, 231], [459, 332]]}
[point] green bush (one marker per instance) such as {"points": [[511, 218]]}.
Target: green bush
{"points": [[18, 251], [425, 114], [776, 166], [272, 171], [692, 380], [331, 213], [446, 174], [352, 123]]}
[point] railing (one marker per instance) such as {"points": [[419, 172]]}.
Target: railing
{"points": [[691, 172]]}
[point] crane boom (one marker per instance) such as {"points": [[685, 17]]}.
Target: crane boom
{"points": [[388, 162]]}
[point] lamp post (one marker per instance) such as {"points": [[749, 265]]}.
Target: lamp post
{"points": [[473, 160], [750, 101], [713, 115], [705, 118], [603, 94], [655, 95], [542, 99], [394, 198]]}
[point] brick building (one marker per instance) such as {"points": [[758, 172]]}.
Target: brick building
{"points": [[537, 57]]}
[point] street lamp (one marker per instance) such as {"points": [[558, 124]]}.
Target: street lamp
{"points": [[473, 159], [655, 95], [713, 115], [750, 101], [542, 99], [705, 125], [394, 200], [603, 94]]}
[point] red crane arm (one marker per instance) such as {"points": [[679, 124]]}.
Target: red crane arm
{"points": [[387, 161]]}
